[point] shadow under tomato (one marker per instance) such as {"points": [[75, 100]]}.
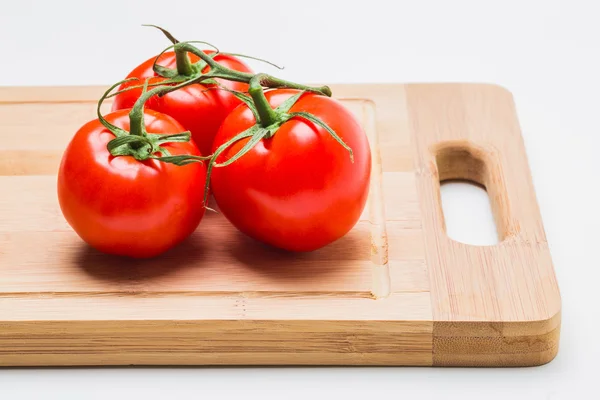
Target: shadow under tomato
{"points": [[329, 261], [187, 254]]}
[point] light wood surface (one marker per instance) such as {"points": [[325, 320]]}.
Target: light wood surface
{"points": [[395, 291]]}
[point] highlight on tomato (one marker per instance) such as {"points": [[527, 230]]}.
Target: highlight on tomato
{"points": [[291, 168], [131, 183]]}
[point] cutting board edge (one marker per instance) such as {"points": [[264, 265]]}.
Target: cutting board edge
{"points": [[420, 343], [241, 342], [496, 344]]}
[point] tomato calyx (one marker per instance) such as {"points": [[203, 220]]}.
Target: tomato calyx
{"points": [[137, 143], [268, 122]]}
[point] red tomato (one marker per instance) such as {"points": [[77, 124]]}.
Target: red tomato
{"points": [[297, 190], [198, 110], [123, 206]]}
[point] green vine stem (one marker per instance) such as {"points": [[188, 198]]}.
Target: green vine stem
{"points": [[136, 115], [189, 73], [266, 115], [219, 71], [184, 68], [183, 62], [184, 65]]}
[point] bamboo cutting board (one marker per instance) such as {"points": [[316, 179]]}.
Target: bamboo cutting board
{"points": [[395, 291]]}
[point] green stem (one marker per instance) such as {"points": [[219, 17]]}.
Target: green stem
{"points": [[137, 127], [136, 115], [215, 67], [273, 82], [219, 71], [267, 116], [184, 65]]}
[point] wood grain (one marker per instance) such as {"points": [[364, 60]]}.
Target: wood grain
{"points": [[395, 291]]}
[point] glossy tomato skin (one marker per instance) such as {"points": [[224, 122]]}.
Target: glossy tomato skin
{"points": [[126, 207], [298, 190], [199, 110]]}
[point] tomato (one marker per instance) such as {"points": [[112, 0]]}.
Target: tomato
{"points": [[123, 206], [199, 110], [299, 189]]}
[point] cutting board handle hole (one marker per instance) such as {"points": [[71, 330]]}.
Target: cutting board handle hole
{"points": [[468, 214]]}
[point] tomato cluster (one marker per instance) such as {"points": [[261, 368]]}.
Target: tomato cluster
{"points": [[287, 164]]}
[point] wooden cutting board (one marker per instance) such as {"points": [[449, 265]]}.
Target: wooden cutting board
{"points": [[395, 291]]}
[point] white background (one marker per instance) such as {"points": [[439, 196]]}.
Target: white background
{"points": [[545, 52]]}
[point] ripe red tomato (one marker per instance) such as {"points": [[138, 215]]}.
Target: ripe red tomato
{"points": [[123, 206], [199, 110], [297, 190]]}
